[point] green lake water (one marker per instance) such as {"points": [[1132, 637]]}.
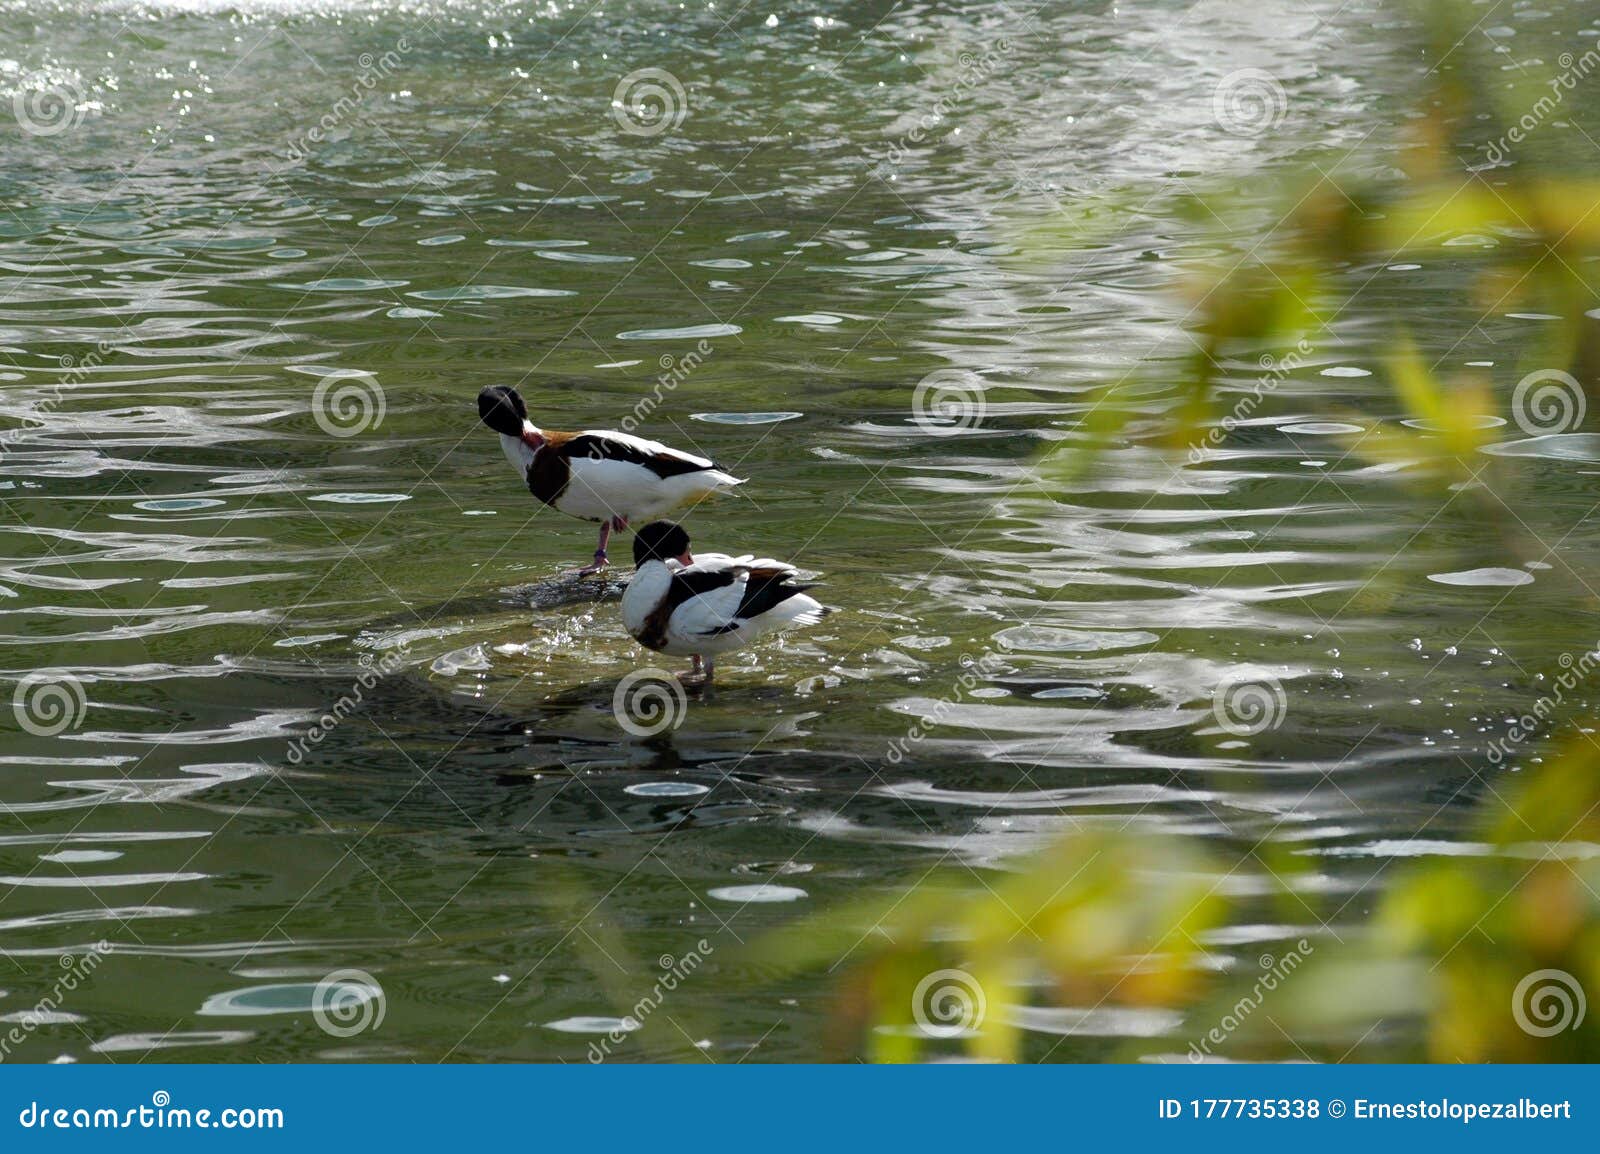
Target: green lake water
{"points": [[836, 203]]}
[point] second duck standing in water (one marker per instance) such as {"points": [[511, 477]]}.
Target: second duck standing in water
{"points": [[598, 475], [686, 606]]}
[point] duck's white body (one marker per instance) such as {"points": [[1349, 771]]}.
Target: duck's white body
{"points": [[714, 605], [614, 475]]}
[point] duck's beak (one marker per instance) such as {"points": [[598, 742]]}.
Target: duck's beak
{"points": [[531, 436], [687, 558]]}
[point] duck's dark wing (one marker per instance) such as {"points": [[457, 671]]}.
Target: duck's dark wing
{"points": [[687, 585], [720, 594], [765, 589], [607, 446], [692, 582]]}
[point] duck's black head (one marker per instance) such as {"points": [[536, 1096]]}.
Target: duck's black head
{"points": [[501, 408], [660, 541]]}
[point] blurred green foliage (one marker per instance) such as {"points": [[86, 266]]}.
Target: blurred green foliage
{"points": [[1098, 919], [1118, 920]]}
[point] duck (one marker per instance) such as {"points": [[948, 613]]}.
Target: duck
{"points": [[687, 606], [599, 474]]}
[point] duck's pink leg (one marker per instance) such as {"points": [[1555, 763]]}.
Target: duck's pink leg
{"points": [[600, 559]]}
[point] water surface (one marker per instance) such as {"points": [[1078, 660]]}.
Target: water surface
{"points": [[248, 295]]}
